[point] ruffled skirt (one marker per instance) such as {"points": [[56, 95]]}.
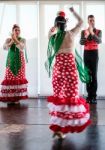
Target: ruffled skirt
{"points": [[14, 87]]}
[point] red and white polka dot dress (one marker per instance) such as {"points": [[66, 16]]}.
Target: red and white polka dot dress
{"points": [[14, 88], [69, 112]]}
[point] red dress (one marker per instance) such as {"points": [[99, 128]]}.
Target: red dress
{"points": [[14, 87], [69, 112]]}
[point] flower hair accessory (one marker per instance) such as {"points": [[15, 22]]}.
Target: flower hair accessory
{"points": [[61, 13]]}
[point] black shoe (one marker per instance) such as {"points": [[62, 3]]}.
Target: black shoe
{"points": [[10, 103], [93, 101], [88, 100]]}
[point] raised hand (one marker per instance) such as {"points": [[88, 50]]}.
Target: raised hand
{"points": [[13, 36], [90, 29], [71, 9], [53, 29]]}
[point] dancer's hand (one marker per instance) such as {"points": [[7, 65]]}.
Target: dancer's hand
{"points": [[77, 16], [91, 30], [13, 37], [53, 29], [71, 9]]}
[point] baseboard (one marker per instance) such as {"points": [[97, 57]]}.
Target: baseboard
{"points": [[98, 97]]}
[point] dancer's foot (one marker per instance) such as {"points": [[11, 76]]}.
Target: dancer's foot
{"points": [[10, 103], [88, 100], [93, 101], [17, 103], [60, 135], [13, 103]]}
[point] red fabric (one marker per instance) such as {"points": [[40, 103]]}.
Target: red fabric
{"points": [[65, 76], [13, 99], [14, 90], [66, 101], [14, 82], [11, 80], [69, 116], [66, 92], [91, 45], [61, 13], [71, 129]]}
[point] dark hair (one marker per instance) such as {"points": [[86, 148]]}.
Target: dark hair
{"points": [[15, 26], [60, 22], [90, 16]]}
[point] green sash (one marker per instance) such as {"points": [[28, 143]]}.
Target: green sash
{"points": [[54, 44], [82, 69], [13, 59]]}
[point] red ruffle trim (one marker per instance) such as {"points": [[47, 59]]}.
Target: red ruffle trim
{"points": [[13, 99], [14, 82], [6, 91], [69, 116], [71, 129], [66, 101]]}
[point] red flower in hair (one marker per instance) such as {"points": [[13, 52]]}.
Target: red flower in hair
{"points": [[61, 13]]}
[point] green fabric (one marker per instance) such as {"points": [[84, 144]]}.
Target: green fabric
{"points": [[13, 59], [83, 70], [54, 44]]}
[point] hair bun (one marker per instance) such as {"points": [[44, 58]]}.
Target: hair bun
{"points": [[15, 26], [61, 13]]}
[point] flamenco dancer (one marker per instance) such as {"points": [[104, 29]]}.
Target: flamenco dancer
{"points": [[14, 85], [69, 112], [91, 38]]}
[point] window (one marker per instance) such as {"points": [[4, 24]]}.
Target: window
{"points": [[50, 16]]}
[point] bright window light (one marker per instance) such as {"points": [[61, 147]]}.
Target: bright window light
{"points": [[50, 16]]}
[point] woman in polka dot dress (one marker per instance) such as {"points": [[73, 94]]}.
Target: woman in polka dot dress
{"points": [[69, 112], [14, 85]]}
